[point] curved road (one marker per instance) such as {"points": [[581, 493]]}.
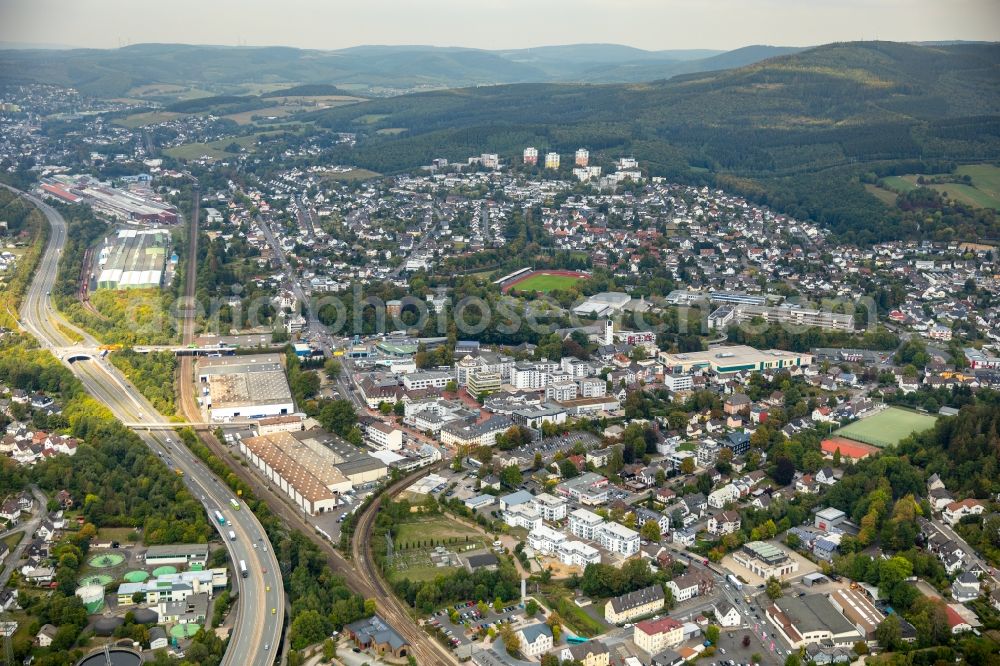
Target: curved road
{"points": [[256, 629]]}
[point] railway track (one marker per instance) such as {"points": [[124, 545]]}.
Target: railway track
{"points": [[426, 650]]}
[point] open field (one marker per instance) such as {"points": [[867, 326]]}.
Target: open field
{"points": [[901, 183], [370, 118], [120, 534], [426, 548], [434, 531], [887, 427], [984, 192], [986, 177], [147, 118], [887, 197], [174, 91], [285, 106], [13, 539], [392, 131], [545, 281], [350, 175], [214, 149]]}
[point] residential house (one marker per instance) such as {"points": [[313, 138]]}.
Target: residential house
{"points": [[535, 639], [654, 636], [645, 601], [723, 523]]}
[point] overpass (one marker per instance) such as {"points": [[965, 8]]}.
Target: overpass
{"points": [[139, 425]]}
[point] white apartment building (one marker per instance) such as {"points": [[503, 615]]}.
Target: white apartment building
{"points": [[550, 507], [592, 387], [561, 391], [678, 382], [383, 437], [525, 516], [719, 498], [423, 380], [613, 537], [545, 540], [583, 524], [578, 554], [617, 538], [528, 377], [551, 160]]}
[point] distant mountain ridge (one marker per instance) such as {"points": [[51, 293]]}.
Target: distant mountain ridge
{"points": [[223, 69]]}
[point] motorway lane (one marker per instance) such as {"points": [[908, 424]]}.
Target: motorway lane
{"points": [[256, 627]]}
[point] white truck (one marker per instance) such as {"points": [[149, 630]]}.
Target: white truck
{"points": [[232, 535]]}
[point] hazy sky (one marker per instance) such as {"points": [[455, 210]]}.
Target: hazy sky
{"points": [[650, 24]]}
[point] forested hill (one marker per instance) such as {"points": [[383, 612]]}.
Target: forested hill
{"points": [[795, 130], [227, 69]]}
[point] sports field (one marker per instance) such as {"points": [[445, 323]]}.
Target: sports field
{"points": [[546, 281], [887, 427]]}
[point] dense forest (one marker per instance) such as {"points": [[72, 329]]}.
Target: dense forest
{"points": [[24, 227], [114, 477]]}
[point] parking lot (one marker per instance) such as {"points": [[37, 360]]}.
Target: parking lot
{"points": [[470, 620]]}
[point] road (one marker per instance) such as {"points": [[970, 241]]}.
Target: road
{"points": [[255, 629], [14, 557]]}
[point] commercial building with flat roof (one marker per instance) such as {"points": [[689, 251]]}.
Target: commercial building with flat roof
{"points": [[733, 358], [765, 560], [811, 619], [134, 259], [251, 386], [177, 553]]}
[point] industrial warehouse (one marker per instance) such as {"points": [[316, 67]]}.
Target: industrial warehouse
{"points": [[244, 387], [129, 205], [733, 358], [134, 259], [312, 467]]}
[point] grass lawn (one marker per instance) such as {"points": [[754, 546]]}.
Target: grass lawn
{"points": [[120, 534], [415, 557], [391, 130], [900, 183], [13, 539], [581, 622], [545, 283], [887, 427], [439, 529]]}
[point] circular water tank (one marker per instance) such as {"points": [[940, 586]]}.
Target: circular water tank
{"points": [[106, 626], [145, 616], [115, 656]]}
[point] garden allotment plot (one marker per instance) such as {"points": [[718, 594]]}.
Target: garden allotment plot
{"points": [[887, 427], [425, 548]]}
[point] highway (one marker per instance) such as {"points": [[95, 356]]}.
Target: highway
{"points": [[256, 629]]}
